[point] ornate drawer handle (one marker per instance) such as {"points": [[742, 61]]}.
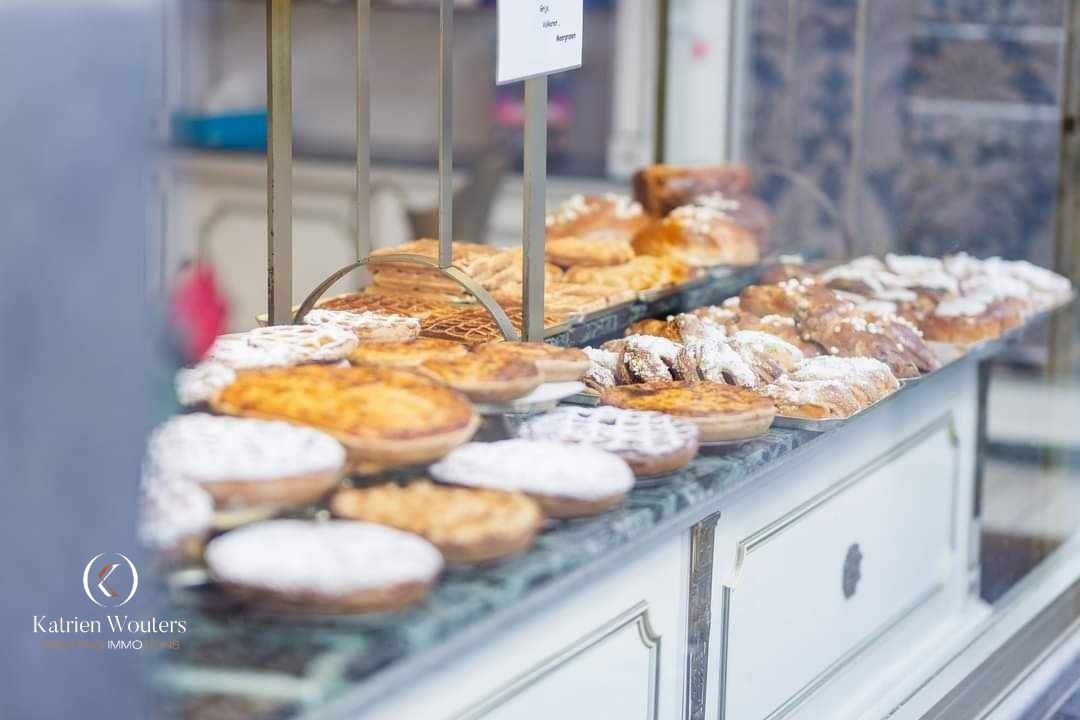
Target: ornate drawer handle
{"points": [[852, 570]]}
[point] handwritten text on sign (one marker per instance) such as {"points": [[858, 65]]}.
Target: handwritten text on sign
{"points": [[537, 37]]}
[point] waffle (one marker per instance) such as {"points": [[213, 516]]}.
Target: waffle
{"points": [[721, 412], [467, 525], [417, 306], [329, 567], [384, 417], [484, 377], [556, 364], [407, 354], [473, 326], [651, 443]]}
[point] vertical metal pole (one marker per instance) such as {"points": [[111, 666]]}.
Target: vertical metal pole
{"points": [[446, 132], [279, 155], [363, 129], [536, 96]]}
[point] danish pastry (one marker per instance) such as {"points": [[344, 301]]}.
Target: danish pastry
{"points": [[662, 188], [609, 218]]}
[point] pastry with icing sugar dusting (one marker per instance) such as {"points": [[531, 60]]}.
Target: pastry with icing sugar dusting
{"points": [[652, 443], [195, 386], [282, 346], [244, 462], [330, 567], [468, 525], [568, 481], [175, 515], [368, 326]]}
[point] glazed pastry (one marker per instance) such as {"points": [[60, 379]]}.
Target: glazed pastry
{"points": [[466, 525], [384, 417], [652, 443], [568, 481], [407, 354], [243, 462], [486, 377], [699, 236], [606, 218], [368, 326], [324, 567], [556, 364], [662, 188], [721, 412]]}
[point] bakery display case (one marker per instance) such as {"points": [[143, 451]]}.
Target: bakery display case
{"points": [[666, 456]]}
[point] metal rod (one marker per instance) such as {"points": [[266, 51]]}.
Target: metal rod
{"points": [[446, 132], [279, 156], [536, 96], [363, 129]]}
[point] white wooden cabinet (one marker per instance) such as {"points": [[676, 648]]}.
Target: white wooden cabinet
{"points": [[614, 650]]}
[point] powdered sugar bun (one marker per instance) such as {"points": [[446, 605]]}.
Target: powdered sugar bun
{"points": [[652, 443], [175, 514], [368, 325], [195, 386], [282, 346], [244, 461], [567, 480], [334, 566]]}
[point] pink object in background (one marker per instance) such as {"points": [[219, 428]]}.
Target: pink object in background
{"points": [[197, 310]]}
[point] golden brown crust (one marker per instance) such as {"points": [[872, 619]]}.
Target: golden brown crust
{"points": [[639, 275], [570, 251], [556, 364], [384, 417], [721, 412], [279, 492], [662, 188], [657, 328], [604, 218], [386, 599], [467, 525], [417, 306], [485, 377], [960, 329], [699, 237], [570, 508], [408, 354]]}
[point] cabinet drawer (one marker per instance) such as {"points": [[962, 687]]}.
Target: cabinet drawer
{"points": [[822, 582]]}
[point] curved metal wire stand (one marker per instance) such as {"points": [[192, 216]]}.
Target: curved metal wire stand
{"points": [[461, 278], [818, 195]]}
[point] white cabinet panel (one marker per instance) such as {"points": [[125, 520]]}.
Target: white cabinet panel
{"points": [[828, 578]]}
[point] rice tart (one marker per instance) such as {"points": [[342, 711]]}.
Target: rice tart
{"points": [[556, 364], [484, 377], [721, 412], [408, 354], [467, 525], [385, 417]]}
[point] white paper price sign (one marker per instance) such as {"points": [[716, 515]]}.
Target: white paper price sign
{"points": [[538, 37]]}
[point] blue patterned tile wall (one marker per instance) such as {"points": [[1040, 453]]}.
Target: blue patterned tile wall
{"points": [[955, 143]]}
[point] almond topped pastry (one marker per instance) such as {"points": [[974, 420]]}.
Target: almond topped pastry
{"points": [[411, 353], [699, 236], [485, 377], [384, 417], [556, 364], [606, 218], [964, 321], [467, 525], [721, 412]]}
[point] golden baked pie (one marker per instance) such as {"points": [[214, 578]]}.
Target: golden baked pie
{"points": [[721, 412], [406, 354], [699, 236], [556, 364], [485, 377], [383, 416], [571, 251], [662, 188], [467, 525]]}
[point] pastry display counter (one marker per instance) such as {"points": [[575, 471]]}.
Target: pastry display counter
{"points": [[786, 557]]}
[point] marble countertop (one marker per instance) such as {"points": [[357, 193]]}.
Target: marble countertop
{"points": [[233, 663]]}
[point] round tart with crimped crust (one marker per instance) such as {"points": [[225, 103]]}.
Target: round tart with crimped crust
{"points": [[721, 412], [407, 354], [467, 525], [556, 364], [297, 566], [484, 377], [384, 417]]}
